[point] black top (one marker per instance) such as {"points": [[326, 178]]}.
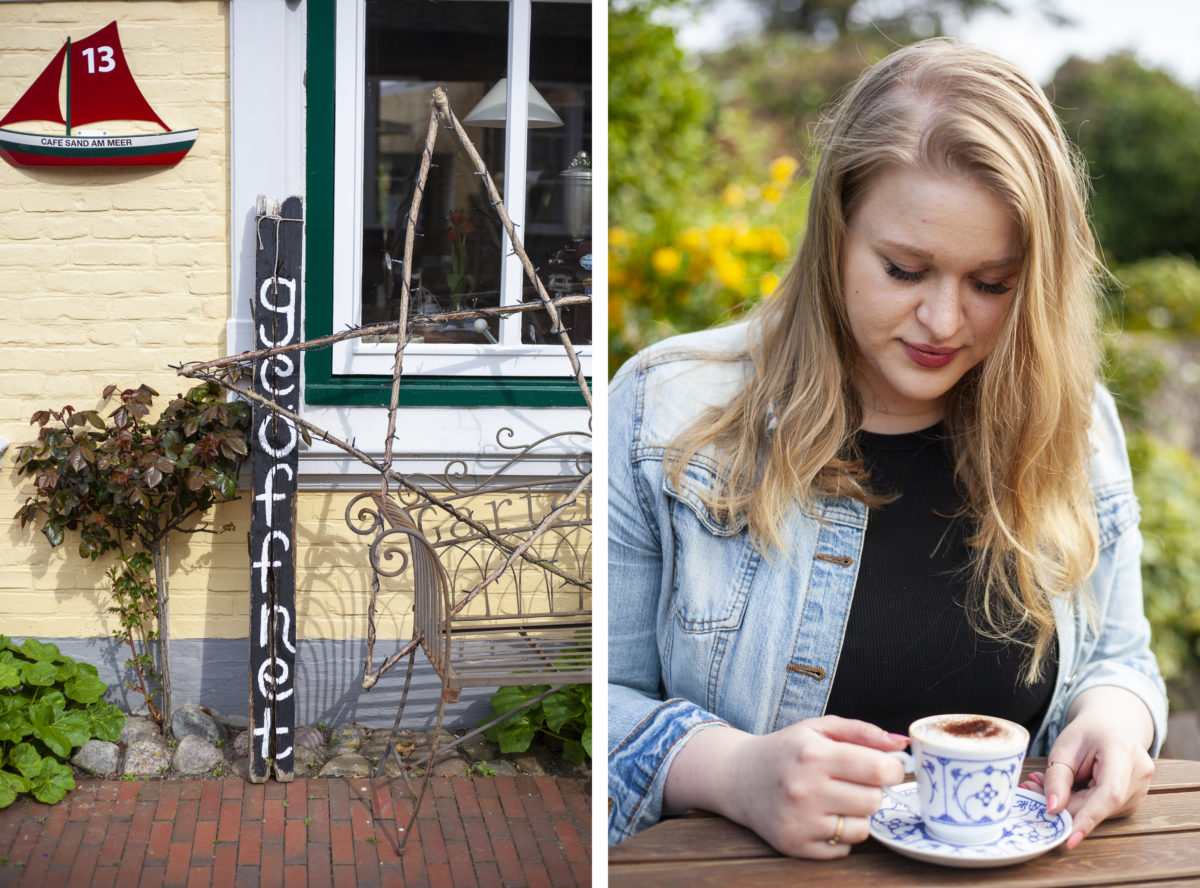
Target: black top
{"points": [[909, 649]]}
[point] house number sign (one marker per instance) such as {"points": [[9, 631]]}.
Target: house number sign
{"points": [[277, 313]]}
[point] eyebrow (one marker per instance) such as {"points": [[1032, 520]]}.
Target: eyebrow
{"points": [[917, 253]]}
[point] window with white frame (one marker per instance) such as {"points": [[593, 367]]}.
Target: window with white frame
{"points": [[376, 62]]}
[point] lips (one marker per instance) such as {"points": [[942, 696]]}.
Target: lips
{"points": [[930, 356]]}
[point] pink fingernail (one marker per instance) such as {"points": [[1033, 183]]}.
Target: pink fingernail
{"points": [[1076, 838], [1036, 778], [1051, 801], [896, 738]]}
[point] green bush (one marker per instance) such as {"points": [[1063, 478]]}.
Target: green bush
{"points": [[1167, 481], [1139, 129], [1159, 294], [49, 705]]}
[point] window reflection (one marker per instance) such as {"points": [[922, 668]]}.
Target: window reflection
{"points": [[462, 47]]}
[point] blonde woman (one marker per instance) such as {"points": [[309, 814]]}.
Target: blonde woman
{"points": [[897, 489]]}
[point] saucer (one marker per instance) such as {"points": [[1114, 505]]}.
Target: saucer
{"points": [[1028, 832]]}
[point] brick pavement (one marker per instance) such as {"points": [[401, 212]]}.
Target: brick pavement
{"points": [[227, 833]]}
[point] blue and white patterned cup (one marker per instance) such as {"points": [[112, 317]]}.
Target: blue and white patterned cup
{"points": [[967, 768]]}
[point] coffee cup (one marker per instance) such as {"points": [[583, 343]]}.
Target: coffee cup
{"points": [[967, 769]]}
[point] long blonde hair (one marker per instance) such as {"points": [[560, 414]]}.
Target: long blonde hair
{"points": [[1018, 421]]}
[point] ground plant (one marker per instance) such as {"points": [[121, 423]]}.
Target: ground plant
{"points": [[50, 704], [565, 716], [123, 483]]}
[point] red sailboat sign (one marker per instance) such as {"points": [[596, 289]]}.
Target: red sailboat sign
{"points": [[100, 87]]}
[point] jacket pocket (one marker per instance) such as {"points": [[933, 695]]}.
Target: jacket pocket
{"points": [[1116, 512], [714, 559]]}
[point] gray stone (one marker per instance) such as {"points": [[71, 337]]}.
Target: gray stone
{"points": [[195, 755], [241, 744], [137, 728], [346, 738], [503, 768], [529, 764], [480, 749], [348, 764], [308, 761], [146, 758], [450, 766], [309, 737], [190, 720], [98, 757]]}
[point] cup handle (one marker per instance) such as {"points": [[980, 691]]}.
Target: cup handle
{"points": [[891, 793]]}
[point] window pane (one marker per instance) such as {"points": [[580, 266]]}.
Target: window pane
{"points": [[558, 232], [412, 47]]}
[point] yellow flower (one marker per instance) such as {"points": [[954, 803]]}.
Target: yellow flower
{"points": [[775, 243], [690, 240], [731, 270], [719, 236], [620, 237], [772, 193], [749, 241], [733, 196], [666, 260], [769, 284], [783, 168]]}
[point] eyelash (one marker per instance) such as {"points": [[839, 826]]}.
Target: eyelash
{"points": [[997, 289]]}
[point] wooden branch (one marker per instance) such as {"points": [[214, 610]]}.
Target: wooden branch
{"points": [[443, 105], [403, 481], [198, 369]]}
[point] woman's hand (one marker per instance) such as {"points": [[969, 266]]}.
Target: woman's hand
{"points": [[791, 786], [1098, 767]]}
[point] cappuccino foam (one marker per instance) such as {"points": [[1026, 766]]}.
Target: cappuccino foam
{"points": [[969, 732]]}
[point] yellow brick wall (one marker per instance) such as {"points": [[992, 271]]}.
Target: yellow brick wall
{"points": [[110, 275]]}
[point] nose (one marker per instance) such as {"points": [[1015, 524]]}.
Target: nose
{"points": [[941, 310]]}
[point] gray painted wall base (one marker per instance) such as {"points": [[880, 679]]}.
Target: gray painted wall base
{"points": [[214, 672]]}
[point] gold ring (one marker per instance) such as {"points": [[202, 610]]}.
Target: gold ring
{"points": [[1065, 765], [836, 838]]}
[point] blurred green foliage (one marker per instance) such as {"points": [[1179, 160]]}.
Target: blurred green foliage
{"points": [[1162, 293], [704, 204], [1140, 132], [1167, 481]]}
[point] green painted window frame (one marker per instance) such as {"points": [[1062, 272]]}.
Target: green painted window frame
{"points": [[322, 385]]}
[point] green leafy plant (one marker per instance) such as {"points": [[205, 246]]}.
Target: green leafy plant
{"points": [[49, 705], [566, 716], [1167, 481], [124, 485]]}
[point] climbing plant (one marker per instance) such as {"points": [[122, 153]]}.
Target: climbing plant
{"points": [[123, 482]]}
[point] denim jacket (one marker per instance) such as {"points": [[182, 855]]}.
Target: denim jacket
{"points": [[705, 630]]}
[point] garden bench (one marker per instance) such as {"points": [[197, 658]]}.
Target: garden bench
{"points": [[481, 626]]}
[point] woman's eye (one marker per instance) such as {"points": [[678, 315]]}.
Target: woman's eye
{"points": [[997, 289], [900, 274]]}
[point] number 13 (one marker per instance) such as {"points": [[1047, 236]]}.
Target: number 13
{"points": [[107, 63]]}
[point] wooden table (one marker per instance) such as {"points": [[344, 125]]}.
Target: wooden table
{"points": [[1158, 846]]}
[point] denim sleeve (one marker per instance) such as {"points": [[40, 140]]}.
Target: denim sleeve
{"points": [[1115, 651], [644, 732], [1121, 656]]}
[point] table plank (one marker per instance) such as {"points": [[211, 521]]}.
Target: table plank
{"points": [[1158, 812], [710, 838], [704, 836], [1172, 775], [1101, 861]]}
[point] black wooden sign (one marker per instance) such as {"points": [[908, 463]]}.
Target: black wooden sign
{"points": [[277, 317]]}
